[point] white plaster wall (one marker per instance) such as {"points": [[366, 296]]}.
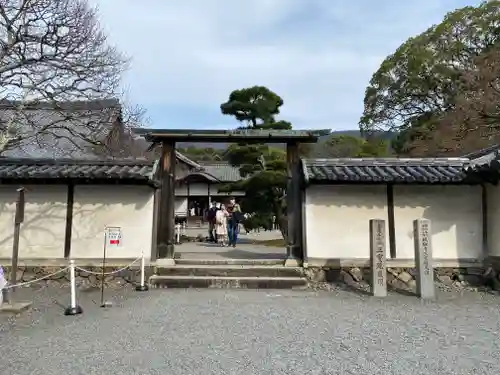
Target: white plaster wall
{"points": [[195, 189], [181, 206], [198, 189], [181, 190], [43, 230], [493, 199], [455, 215], [337, 220], [128, 207]]}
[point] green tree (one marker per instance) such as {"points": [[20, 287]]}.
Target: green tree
{"points": [[474, 121], [351, 146], [255, 107], [346, 146], [412, 138], [262, 168], [419, 84]]}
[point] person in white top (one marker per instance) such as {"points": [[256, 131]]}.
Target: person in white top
{"points": [[221, 225]]}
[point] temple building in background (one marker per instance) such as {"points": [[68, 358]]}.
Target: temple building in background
{"points": [[198, 185]]}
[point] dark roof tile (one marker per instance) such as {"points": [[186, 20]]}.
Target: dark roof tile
{"points": [[484, 160], [389, 170], [37, 169], [234, 135]]}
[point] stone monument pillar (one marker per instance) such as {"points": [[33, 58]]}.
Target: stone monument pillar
{"points": [[378, 262], [423, 258]]}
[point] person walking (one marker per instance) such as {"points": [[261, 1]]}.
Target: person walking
{"points": [[233, 222], [221, 225]]}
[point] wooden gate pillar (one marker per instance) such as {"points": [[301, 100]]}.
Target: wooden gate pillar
{"points": [[293, 201], [166, 219]]}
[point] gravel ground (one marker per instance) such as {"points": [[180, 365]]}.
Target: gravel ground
{"points": [[217, 331]]}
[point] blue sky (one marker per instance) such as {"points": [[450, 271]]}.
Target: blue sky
{"points": [[318, 55]]}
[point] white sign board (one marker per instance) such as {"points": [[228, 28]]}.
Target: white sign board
{"points": [[114, 237]]}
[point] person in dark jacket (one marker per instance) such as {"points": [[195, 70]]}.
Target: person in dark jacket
{"points": [[212, 211], [233, 222]]}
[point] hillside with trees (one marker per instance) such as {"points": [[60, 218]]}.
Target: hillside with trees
{"points": [[326, 147]]}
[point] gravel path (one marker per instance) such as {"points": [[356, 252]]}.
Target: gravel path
{"points": [[254, 332]]}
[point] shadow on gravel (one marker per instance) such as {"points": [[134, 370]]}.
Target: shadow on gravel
{"points": [[50, 302], [353, 289], [404, 292]]}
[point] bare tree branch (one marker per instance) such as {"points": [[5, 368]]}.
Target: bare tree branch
{"points": [[58, 75]]}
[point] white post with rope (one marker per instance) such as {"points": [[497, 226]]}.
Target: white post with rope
{"points": [[17, 307], [142, 287], [73, 309]]}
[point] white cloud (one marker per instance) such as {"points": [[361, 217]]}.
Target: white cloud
{"points": [[317, 54]]}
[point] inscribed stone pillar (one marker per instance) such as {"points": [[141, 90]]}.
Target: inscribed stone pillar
{"points": [[423, 258], [378, 261]]}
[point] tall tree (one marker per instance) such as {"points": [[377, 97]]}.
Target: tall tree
{"points": [[474, 121], [262, 168], [419, 83], [54, 52]]}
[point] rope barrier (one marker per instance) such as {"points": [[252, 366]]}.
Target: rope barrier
{"points": [[108, 273], [34, 281], [74, 308]]}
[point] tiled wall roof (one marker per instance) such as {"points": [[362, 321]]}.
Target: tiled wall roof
{"points": [[31, 169], [388, 170]]}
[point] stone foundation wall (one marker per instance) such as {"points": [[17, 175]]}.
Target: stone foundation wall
{"points": [[405, 278], [90, 279], [358, 277]]}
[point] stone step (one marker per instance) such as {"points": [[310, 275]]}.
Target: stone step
{"points": [[230, 270], [227, 262], [227, 282]]}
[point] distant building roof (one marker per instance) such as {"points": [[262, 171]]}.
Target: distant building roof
{"points": [[223, 172], [186, 160], [216, 173], [59, 130]]}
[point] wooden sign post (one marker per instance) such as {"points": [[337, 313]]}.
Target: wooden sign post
{"points": [[112, 239], [18, 220]]}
